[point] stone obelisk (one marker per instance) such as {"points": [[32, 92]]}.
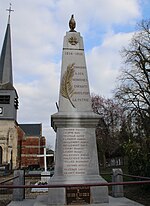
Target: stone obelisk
{"points": [[76, 159]]}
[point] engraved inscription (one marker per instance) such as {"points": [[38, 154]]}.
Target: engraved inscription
{"points": [[78, 195], [74, 85], [80, 67], [80, 85], [75, 151], [74, 53]]}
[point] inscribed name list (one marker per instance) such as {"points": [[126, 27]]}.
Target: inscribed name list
{"points": [[75, 151]]}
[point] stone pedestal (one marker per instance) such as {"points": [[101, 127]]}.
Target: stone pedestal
{"points": [[76, 156], [117, 190], [19, 193]]}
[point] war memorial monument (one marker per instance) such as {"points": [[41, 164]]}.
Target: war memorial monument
{"points": [[76, 159]]}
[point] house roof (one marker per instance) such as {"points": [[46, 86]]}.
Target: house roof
{"points": [[32, 129]]}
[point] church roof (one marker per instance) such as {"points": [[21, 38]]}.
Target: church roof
{"points": [[6, 59], [32, 129]]}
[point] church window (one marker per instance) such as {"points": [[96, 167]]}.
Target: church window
{"points": [[4, 99]]}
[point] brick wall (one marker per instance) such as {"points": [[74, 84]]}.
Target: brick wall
{"points": [[31, 147], [19, 146]]}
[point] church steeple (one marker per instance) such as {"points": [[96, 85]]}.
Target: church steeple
{"points": [[8, 94], [6, 56]]}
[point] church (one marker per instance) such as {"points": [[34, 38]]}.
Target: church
{"points": [[20, 144]]}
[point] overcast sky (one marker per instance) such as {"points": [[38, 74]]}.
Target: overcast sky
{"points": [[38, 28]]}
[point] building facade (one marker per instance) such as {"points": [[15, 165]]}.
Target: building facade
{"points": [[31, 146]]}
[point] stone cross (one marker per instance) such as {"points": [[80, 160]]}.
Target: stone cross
{"points": [[45, 155]]}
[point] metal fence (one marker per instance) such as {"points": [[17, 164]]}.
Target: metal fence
{"points": [[117, 183]]}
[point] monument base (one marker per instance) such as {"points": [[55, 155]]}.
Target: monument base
{"points": [[78, 194], [57, 196], [43, 199]]}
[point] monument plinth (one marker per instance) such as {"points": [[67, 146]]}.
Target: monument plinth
{"points": [[76, 159]]}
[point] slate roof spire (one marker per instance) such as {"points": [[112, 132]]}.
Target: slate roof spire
{"points": [[6, 56]]}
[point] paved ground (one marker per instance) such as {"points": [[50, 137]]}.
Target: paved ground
{"points": [[112, 202]]}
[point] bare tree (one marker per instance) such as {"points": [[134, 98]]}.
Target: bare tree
{"points": [[134, 94], [134, 90], [108, 129]]}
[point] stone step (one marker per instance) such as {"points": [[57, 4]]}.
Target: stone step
{"points": [[42, 201]]}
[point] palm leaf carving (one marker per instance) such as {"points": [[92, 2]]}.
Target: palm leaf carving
{"points": [[66, 89]]}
